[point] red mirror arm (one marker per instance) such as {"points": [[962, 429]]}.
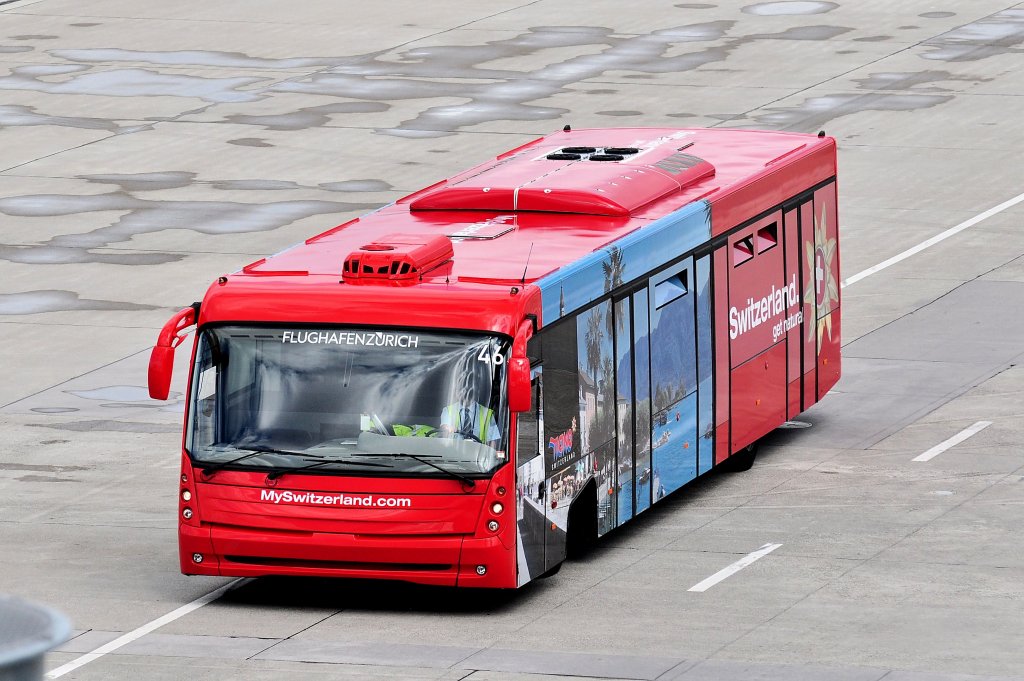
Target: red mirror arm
{"points": [[161, 361]]}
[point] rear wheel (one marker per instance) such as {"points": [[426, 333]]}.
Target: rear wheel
{"points": [[582, 523], [742, 460]]}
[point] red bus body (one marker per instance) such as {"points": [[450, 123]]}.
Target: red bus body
{"points": [[594, 264]]}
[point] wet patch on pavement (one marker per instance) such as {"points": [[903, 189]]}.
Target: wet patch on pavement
{"points": [[40, 468], [174, 179], [804, 33], [144, 216], [213, 59], [250, 142], [360, 185], [815, 112], [35, 302], [44, 478], [129, 83], [999, 34], [789, 8], [309, 117], [13, 115], [141, 182], [371, 82], [913, 80], [111, 426], [415, 73]]}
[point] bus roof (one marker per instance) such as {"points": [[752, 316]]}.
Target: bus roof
{"points": [[540, 214]]}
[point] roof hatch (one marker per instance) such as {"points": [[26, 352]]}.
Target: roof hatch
{"points": [[397, 258], [588, 180]]}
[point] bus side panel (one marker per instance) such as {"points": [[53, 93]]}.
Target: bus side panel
{"points": [[810, 323], [758, 396], [721, 273], [829, 359], [705, 369], [762, 305], [826, 255], [794, 336]]}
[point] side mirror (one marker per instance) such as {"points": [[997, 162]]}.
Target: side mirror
{"points": [[161, 361], [519, 393]]}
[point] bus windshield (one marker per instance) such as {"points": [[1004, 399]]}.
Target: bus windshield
{"points": [[348, 401]]}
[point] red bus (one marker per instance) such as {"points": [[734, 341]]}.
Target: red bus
{"points": [[455, 387]]}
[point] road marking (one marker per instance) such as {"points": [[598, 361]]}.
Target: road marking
{"points": [[147, 628], [743, 562], [966, 224], [953, 441]]}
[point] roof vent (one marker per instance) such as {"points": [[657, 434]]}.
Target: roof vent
{"points": [[397, 257], [592, 154]]}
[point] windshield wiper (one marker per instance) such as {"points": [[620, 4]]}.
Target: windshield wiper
{"points": [[468, 484], [210, 469], [277, 473]]}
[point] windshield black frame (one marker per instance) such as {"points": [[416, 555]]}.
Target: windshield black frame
{"points": [[351, 394]]}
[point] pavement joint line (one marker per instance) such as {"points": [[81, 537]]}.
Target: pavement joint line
{"points": [[928, 243], [16, 4], [730, 570], [84, 373], [147, 628], [953, 441], [292, 636]]}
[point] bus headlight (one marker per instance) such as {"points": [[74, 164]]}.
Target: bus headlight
{"points": [[187, 514], [497, 508], [186, 495], [492, 525]]}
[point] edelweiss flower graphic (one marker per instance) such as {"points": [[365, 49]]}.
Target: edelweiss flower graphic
{"points": [[822, 289]]}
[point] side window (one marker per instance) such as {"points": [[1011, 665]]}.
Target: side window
{"points": [[674, 287], [742, 250], [767, 237]]}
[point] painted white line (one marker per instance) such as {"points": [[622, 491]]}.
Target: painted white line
{"points": [[147, 628], [953, 441], [734, 568], [966, 224]]}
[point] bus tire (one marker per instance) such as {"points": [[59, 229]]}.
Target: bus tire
{"points": [[742, 460], [581, 533]]}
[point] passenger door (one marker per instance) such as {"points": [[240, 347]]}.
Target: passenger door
{"points": [[531, 521], [673, 385]]}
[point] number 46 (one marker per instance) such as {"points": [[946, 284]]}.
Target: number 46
{"points": [[495, 358]]}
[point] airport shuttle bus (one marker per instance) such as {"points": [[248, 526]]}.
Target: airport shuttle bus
{"points": [[456, 387]]}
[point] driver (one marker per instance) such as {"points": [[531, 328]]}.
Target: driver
{"points": [[466, 417]]}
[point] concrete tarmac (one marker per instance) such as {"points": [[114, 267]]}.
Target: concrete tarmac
{"points": [[147, 148]]}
